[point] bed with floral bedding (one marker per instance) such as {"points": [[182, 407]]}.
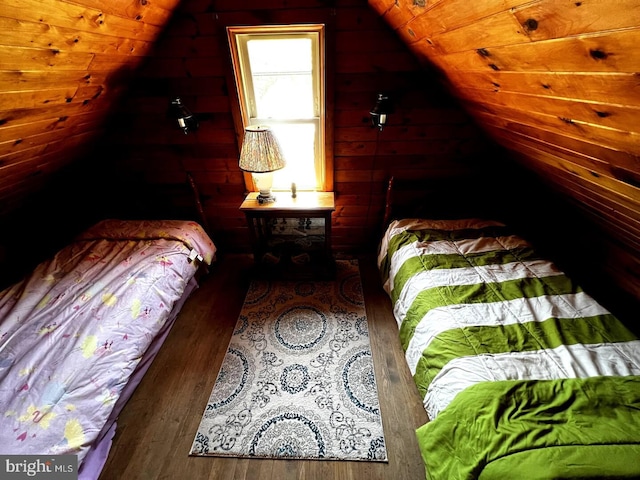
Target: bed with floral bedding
{"points": [[77, 335], [522, 373]]}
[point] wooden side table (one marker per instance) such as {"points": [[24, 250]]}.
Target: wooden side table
{"points": [[291, 237]]}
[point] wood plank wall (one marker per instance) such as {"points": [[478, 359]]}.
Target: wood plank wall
{"points": [[428, 135], [556, 83]]}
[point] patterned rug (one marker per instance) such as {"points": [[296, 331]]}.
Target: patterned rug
{"points": [[297, 380]]}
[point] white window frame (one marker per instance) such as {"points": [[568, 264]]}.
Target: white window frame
{"points": [[238, 38]]}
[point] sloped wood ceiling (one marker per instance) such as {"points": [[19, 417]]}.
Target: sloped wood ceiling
{"points": [[62, 67], [555, 82]]}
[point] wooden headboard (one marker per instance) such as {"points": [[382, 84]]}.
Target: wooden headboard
{"points": [[449, 198]]}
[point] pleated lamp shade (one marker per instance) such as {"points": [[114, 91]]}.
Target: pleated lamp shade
{"points": [[260, 151]]}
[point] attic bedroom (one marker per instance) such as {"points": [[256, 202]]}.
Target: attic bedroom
{"points": [[490, 121]]}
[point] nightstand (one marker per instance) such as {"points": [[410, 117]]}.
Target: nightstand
{"points": [[291, 237]]}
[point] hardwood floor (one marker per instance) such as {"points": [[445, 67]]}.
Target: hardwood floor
{"points": [[157, 426]]}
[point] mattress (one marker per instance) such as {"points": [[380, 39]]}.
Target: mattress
{"points": [[522, 373], [77, 334]]}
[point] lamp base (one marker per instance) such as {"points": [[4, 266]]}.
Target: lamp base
{"points": [[268, 198], [263, 181]]}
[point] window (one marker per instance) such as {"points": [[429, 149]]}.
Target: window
{"points": [[279, 74]]}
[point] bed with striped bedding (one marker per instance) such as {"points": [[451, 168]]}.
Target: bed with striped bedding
{"points": [[522, 373]]}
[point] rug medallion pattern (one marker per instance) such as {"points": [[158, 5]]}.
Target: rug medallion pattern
{"points": [[297, 380]]}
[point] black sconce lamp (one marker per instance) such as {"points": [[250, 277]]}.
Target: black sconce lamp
{"points": [[380, 111], [183, 117]]}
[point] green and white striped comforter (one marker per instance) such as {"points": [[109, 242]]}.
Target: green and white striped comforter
{"points": [[477, 311]]}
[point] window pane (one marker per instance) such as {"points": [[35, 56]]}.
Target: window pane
{"points": [[280, 55], [283, 96], [298, 147], [282, 77]]}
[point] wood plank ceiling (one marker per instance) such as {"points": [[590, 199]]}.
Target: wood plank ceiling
{"points": [[62, 67], [555, 82]]}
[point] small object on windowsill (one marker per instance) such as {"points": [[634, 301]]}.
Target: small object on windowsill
{"points": [[294, 190]]}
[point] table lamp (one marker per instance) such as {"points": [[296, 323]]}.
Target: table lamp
{"points": [[261, 156]]}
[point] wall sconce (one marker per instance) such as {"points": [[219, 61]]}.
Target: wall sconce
{"points": [[261, 155], [380, 111], [182, 116]]}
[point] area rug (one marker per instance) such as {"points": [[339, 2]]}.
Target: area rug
{"points": [[297, 381]]}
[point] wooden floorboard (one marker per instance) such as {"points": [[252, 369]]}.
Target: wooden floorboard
{"points": [[157, 426]]}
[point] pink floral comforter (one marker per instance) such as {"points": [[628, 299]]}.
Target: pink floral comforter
{"points": [[72, 333]]}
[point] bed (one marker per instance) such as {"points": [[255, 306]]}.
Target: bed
{"points": [[78, 334], [521, 372]]}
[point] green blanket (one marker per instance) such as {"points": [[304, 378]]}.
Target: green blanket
{"points": [[569, 428]]}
